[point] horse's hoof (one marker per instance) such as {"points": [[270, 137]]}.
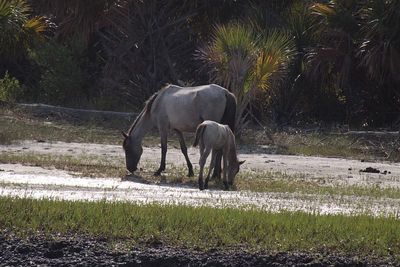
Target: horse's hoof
{"points": [[201, 186], [226, 186], [190, 174], [216, 177]]}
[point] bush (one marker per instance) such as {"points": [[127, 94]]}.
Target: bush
{"points": [[10, 88]]}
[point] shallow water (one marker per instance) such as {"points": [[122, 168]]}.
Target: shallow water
{"points": [[35, 182]]}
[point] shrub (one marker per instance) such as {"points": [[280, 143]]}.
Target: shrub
{"points": [[10, 88]]}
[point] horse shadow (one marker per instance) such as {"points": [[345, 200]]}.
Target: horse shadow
{"points": [[163, 181]]}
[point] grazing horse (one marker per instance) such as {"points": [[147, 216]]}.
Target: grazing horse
{"points": [[212, 137], [180, 109]]}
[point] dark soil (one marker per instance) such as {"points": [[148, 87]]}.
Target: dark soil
{"points": [[374, 170], [86, 251]]}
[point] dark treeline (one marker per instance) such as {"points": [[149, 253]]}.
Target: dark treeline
{"points": [[287, 61]]}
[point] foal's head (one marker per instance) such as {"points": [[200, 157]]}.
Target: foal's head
{"points": [[133, 152], [233, 169]]}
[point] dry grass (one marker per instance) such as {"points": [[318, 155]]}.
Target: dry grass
{"points": [[18, 125], [329, 144]]}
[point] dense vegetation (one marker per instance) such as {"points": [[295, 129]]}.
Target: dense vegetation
{"points": [[287, 61]]}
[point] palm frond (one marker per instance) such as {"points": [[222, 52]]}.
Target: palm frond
{"points": [[324, 10], [379, 50], [246, 62], [277, 50], [17, 29]]}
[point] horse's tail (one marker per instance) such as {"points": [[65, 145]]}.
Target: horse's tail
{"points": [[199, 133], [229, 117]]}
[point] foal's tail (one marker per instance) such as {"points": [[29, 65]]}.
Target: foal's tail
{"points": [[199, 134], [229, 117]]}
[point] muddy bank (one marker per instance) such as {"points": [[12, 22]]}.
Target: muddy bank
{"points": [[86, 251]]}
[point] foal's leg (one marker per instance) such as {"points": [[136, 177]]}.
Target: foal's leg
{"points": [[212, 164], [225, 171], [164, 139], [203, 158], [217, 167], [184, 151]]}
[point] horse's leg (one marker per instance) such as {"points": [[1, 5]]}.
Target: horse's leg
{"points": [[212, 164], [164, 139], [202, 162], [217, 166], [225, 170], [184, 152]]}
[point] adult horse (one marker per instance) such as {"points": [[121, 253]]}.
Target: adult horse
{"points": [[179, 109]]}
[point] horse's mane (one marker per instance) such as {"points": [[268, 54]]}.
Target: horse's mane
{"points": [[145, 110]]}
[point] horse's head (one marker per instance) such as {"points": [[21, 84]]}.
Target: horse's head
{"points": [[133, 152], [233, 170]]}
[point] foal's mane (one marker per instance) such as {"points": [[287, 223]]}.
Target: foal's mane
{"points": [[232, 154], [145, 110]]}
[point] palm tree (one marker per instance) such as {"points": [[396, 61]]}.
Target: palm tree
{"points": [[331, 60], [76, 18], [379, 49], [292, 17], [246, 62], [379, 55], [18, 29]]}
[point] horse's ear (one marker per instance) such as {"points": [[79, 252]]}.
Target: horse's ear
{"points": [[241, 162], [124, 134]]}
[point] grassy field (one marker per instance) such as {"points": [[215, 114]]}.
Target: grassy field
{"points": [[206, 228]]}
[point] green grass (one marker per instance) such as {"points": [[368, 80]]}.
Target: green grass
{"points": [[206, 228]]}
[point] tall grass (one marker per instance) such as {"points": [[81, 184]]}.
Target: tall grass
{"points": [[206, 228]]}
